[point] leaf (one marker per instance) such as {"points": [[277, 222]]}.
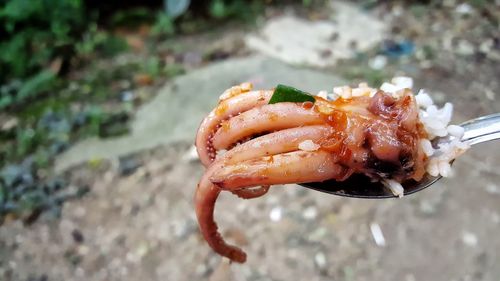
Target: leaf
{"points": [[175, 8], [35, 85], [306, 3], [3, 193], [5, 101], [112, 45], [218, 9], [152, 66], [284, 93], [172, 70], [134, 17], [164, 25]]}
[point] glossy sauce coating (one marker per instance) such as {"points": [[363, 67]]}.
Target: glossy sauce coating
{"points": [[377, 136]]}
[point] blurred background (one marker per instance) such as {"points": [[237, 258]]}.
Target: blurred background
{"points": [[99, 106]]}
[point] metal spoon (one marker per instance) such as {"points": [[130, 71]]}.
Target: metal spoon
{"points": [[477, 131]]}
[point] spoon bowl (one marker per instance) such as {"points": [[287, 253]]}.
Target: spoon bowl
{"points": [[361, 186], [477, 130]]}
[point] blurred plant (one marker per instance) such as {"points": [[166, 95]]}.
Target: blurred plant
{"points": [[419, 10], [152, 67], [97, 41], [35, 33], [239, 9], [164, 25], [131, 17], [46, 41], [18, 91], [217, 9], [307, 3], [172, 70], [480, 4], [39, 41]]}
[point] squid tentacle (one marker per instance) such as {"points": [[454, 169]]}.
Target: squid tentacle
{"points": [[307, 166], [205, 197], [278, 142], [267, 118], [292, 167], [351, 137], [225, 110], [207, 193]]}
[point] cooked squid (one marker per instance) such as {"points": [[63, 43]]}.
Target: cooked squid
{"points": [[362, 131]]}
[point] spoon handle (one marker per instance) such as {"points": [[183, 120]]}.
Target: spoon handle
{"points": [[482, 129]]}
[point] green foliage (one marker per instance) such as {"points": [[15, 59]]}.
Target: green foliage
{"points": [[172, 70], [307, 3], [131, 17], [35, 32], [152, 67], [40, 39], [43, 42], [26, 139], [480, 4], [38, 82], [239, 9], [164, 25], [97, 41], [19, 92], [218, 9], [418, 10]]}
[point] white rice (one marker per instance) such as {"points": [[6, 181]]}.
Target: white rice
{"points": [[435, 120], [436, 123], [346, 93], [427, 147], [389, 88], [396, 188], [423, 99], [323, 94], [308, 145], [403, 82], [456, 131]]}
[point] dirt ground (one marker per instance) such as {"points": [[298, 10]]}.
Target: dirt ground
{"points": [[141, 225]]}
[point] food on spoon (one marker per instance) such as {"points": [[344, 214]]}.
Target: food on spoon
{"points": [[285, 135]]}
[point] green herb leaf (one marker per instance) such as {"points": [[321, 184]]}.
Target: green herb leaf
{"points": [[284, 93]]}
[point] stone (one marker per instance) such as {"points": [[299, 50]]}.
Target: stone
{"points": [[492, 188], [465, 48], [469, 239], [319, 43], [10, 124], [276, 214], [77, 236], [464, 9], [310, 213], [378, 62], [427, 207], [128, 165], [377, 234], [176, 112], [127, 96], [318, 234], [320, 261]]}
